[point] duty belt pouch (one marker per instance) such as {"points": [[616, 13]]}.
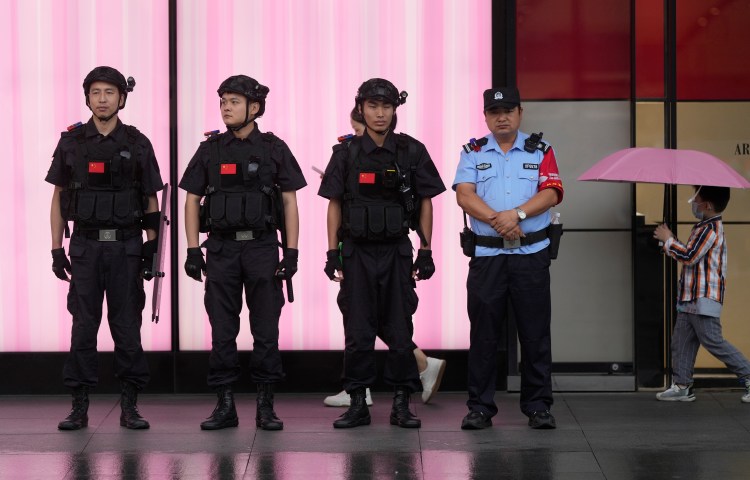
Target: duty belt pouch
{"points": [[254, 209], [468, 242], [554, 232], [358, 222], [233, 210], [125, 208], [104, 207], [84, 207], [376, 222], [205, 223], [394, 221]]}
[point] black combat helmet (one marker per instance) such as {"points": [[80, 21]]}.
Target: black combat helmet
{"points": [[250, 88], [380, 89], [108, 75]]}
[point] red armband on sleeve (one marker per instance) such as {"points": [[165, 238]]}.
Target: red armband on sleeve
{"points": [[549, 176]]}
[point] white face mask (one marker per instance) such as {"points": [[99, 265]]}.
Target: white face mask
{"points": [[696, 213], [694, 205]]}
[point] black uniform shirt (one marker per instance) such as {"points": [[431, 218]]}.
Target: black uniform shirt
{"points": [[61, 170], [289, 175], [427, 181]]}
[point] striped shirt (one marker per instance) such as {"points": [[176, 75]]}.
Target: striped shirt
{"points": [[704, 260]]}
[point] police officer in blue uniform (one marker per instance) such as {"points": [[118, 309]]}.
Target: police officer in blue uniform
{"points": [[379, 186], [507, 182], [106, 178], [249, 180]]}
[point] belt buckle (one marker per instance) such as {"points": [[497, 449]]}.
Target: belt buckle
{"points": [[512, 243], [109, 235], [244, 235]]}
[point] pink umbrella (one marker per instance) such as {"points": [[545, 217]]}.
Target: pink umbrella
{"points": [[660, 165]]}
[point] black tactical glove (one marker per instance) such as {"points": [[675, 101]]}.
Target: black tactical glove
{"points": [[60, 264], [147, 258], [194, 264], [288, 265], [423, 265], [333, 263]]}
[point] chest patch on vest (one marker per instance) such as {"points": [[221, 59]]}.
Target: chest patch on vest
{"points": [[228, 169], [367, 178], [530, 166], [484, 166], [96, 167]]}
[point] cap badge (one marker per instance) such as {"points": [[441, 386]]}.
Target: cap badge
{"points": [[498, 95]]}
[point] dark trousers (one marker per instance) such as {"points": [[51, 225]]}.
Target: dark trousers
{"points": [[114, 268], [492, 282], [233, 266], [378, 299]]}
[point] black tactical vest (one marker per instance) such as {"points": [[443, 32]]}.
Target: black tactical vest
{"points": [[380, 203], [105, 187], [240, 194]]}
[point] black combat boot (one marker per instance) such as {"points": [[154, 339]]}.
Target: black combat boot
{"points": [[358, 413], [130, 417], [224, 415], [265, 417], [78, 416], [400, 414]]}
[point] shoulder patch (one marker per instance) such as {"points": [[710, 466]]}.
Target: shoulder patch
{"points": [[475, 145]]}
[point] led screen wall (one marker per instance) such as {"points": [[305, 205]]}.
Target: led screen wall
{"points": [[312, 55], [46, 49]]}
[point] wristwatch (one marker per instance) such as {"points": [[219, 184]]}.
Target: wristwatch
{"points": [[521, 214]]}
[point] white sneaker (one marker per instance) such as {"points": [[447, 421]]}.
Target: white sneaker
{"points": [[746, 397], [342, 399], [431, 378], [677, 394]]}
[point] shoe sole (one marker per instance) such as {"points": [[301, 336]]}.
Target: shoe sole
{"points": [[436, 386], [676, 399], [543, 426], [219, 427], [475, 427], [270, 429], [70, 429], [364, 421], [396, 423]]}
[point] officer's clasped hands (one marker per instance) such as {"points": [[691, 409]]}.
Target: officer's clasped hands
{"points": [[333, 264], [288, 265], [424, 266], [147, 255], [194, 264], [60, 264]]}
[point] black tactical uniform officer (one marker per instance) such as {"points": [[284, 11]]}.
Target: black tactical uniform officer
{"points": [[249, 180], [379, 185], [106, 178]]}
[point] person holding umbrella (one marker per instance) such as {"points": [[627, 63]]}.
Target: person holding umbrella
{"points": [[701, 295]]}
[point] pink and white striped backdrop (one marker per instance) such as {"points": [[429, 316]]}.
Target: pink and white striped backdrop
{"points": [[313, 55]]}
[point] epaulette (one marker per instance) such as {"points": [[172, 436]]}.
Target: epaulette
{"points": [[211, 133], [534, 142], [475, 145], [346, 137], [269, 137]]}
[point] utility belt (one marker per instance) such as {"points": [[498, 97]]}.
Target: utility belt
{"points": [[107, 234], [470, 240], [240, 235]]}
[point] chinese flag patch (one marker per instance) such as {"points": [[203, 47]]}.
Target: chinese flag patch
{"points": [[96, 167], [228, 169], [367, 177]]}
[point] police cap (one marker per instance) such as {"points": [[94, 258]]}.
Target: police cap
{"points": [[504, 97]]}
